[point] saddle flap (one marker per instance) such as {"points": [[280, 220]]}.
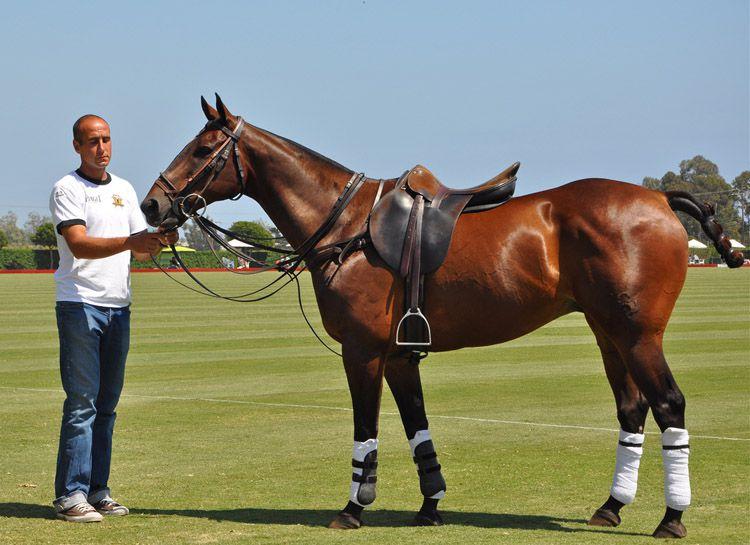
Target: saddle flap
{"points": [[388, 221]]}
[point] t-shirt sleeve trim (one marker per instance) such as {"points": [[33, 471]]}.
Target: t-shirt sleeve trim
{"points": [[68, 223]]}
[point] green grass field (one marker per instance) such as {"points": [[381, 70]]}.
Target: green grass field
{"points": [[235, 427]]}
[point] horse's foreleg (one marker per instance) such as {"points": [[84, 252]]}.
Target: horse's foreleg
{"points": [[632, 409], [364, 373], [405, 384]]}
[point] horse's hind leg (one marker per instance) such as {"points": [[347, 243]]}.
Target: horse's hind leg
{"points": [[645, 361], [640, 348], [404, 382], [632, 409], [364, 373]]}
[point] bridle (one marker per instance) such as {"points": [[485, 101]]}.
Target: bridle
{"points": [[211, 167], [292, 264]]}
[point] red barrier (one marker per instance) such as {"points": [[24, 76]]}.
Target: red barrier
{"points": [[43, 271]]}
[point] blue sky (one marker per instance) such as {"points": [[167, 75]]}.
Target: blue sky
{"points": [[571, 89]]}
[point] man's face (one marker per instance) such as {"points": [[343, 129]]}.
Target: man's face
{"points": [[94, 147]]}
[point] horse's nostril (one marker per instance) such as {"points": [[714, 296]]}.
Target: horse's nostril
{"points": [[149, 207]]}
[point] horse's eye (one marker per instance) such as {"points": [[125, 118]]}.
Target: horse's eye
{"points": [[202, 151]]}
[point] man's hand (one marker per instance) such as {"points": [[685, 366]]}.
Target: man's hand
{"points": [[145, 243], [168, 237]]}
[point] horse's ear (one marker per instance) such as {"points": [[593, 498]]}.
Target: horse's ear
{"points": [[210, 111], [224, 113]]}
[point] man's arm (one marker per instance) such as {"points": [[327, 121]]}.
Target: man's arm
{"points": [[142, 244]]}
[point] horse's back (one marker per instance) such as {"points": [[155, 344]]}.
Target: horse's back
{"points": [[545, 254]]}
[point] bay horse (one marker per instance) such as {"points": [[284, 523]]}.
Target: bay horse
{"points": [[612, 250]]}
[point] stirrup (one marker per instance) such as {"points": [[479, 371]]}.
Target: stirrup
{"points": [[418, 314]]}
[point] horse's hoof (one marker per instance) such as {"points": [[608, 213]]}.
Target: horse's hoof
{"points": [[674, 529], [427, 519], [605, 517], [345, 521]]}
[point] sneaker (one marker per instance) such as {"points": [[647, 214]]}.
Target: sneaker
{"points": [[82, 512], [108, 506]]}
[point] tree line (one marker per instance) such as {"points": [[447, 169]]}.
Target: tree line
{"points": [[38, 230], [700, 177]]}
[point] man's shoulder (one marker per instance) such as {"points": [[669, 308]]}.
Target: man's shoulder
{"points": [[119, 182], [69, 182], [119, 179]]}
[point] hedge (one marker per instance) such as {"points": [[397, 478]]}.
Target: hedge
{"points": [[28, 258], [196, 260]]}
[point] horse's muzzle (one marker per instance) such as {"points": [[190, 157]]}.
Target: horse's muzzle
{"points": [[159, 212], [150, 209]]}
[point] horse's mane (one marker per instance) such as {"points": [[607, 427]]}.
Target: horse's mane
{"points": [[307, 150]]}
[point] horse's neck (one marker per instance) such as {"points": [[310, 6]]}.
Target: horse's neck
{"points": [[296, 187]]}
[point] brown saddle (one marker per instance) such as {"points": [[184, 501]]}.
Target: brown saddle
{"points": [[412, 226]]}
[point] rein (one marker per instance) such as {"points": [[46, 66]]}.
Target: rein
{"points": [[289, 266]]}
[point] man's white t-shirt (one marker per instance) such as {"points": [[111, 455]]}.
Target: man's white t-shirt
{"points": [[107, 209]]}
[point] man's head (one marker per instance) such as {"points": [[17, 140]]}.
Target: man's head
{"points": [[91, 141]]}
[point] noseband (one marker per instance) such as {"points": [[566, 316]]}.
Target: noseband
{"points": [[212, 167]]}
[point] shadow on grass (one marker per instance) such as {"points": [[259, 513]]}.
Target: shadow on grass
{"points": [[321, 517]]}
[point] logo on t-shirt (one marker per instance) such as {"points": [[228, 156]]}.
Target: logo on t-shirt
{"points": [[117, 200]]}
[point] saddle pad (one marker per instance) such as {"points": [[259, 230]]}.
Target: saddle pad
{"points": [[388, 222]]}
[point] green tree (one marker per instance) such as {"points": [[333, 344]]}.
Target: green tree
{"points": [[700, 177], [3, 239], [45, 236], [9, 224], [33, 221], [252, 230], [194, 236], [741, 185]]}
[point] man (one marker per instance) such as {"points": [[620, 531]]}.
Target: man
{"points": [[99, 224]]}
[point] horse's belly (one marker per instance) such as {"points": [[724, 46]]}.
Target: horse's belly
{"points": [[499, 282]]}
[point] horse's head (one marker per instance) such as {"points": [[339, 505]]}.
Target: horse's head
{"points": [[208, 169]]}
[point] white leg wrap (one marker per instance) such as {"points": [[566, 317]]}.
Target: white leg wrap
{"points": [[420, 437], [627, 461], [675, 452], [359, 451]]}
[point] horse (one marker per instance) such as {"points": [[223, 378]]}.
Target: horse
{"points": [[612, 250]]}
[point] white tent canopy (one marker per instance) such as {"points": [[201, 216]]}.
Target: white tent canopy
{"points": [[234, 243], [693, 243], [736, 243]]}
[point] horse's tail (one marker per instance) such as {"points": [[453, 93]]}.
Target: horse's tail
{"points": [[704, 212]]}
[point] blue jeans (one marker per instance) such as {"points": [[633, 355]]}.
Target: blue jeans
{"points": [[94, 344]]}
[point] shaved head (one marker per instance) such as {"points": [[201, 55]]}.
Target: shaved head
{"points": [[77, 131]]}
